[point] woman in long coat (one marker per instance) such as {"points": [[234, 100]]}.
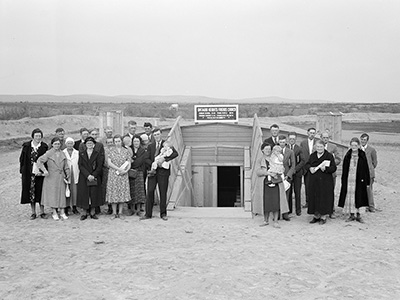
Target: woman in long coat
{"points": [[72, 156], [138, 193], [32, 179], [274, 196], [89, 185], [56, 177], [321, 165], [355, 180]]}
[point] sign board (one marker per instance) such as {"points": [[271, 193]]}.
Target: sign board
{"points": [[216, 113]]}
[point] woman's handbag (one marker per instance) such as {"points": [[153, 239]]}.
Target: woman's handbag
{"points": [[276, 180], [132, 173], [67, 191], [91, 183]]}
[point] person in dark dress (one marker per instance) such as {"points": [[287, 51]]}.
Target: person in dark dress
{"points": [[355, 182], [138, 193], [321, 166], [90, 163], [32, 178], [274, 196]]}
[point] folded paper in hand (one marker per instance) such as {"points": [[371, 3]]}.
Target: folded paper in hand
{"points": [[325, 163]]}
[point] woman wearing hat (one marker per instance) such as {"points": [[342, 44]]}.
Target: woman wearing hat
{"points": [[89, 185], [56, 177], [32, 179], [72, 156]]}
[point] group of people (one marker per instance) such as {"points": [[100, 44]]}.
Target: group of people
{"points": [[115, 170], [284, 165]]}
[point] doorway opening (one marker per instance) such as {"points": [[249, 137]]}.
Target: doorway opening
{"points": [[229, 194]]}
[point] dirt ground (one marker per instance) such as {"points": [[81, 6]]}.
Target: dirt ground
{"points": [[202, 257]]}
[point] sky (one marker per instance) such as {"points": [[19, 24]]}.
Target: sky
{"points": [[330, 50]]}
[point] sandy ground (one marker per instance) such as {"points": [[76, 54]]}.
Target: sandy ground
{"points": [[202, 255]]}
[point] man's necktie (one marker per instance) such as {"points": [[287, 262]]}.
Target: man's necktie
{"points": [[157, 149]]}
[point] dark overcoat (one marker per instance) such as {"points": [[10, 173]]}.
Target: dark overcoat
{"points": [[92, 166], [139, 158], [25, 169], [362, 179], [321, 189]]}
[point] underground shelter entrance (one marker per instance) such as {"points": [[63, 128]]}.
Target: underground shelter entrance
{"points": [[229, 187]]}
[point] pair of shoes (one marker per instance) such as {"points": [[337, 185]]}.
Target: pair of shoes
{"points": [[350, 218], [332, 216], [314, 220], [298, 214], [83, 217], [75, 211], [33, 217], [55, 217], [94, 217], [322, 221], [43, 216], [114, 217], [276, 225], [286, 218], [64, 216], [130, 212], [264, 224], [122, 217], [305, 205], [165, 218], [144, 218], [359, 219], [109, 211]]}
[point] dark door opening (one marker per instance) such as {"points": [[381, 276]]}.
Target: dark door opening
{"points": [[229, 187]]}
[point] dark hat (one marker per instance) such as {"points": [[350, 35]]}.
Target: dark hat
{"points": [[90, 139]]}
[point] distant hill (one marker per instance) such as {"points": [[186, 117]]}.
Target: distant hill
{"points": [[146, 98]]}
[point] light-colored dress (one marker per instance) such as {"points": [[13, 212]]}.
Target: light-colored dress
{"points": [[118, 185], [72, 161], [53, 193], [350, 203]]}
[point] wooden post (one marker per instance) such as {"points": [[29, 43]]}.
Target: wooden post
{"points": [[332, 123], [113, 119]]}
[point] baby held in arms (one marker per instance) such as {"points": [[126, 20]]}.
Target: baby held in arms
{"points": [[276, 164], [159, 160]]}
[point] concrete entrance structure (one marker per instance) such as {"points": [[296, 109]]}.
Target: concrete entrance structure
{"points": [[206, 150]]}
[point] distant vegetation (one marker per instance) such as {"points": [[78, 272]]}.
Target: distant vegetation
{"points": [[19, 110]]}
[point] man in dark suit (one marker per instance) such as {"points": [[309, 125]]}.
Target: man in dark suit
{"points": [[289, 164], [131, 129], [372, 159], [298, 173], [161, 177], [60, 133], [84, 132], [308, 147], [148, 130], [274, 139]]}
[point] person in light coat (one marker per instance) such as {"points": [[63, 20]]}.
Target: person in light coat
{"points": [[72, 156]]}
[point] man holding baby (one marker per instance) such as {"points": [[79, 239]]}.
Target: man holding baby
{"points": [[159, 158]]}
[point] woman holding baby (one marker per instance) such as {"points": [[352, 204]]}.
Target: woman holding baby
{"points": [[119, 162], [274, 196], [321, 165]]}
